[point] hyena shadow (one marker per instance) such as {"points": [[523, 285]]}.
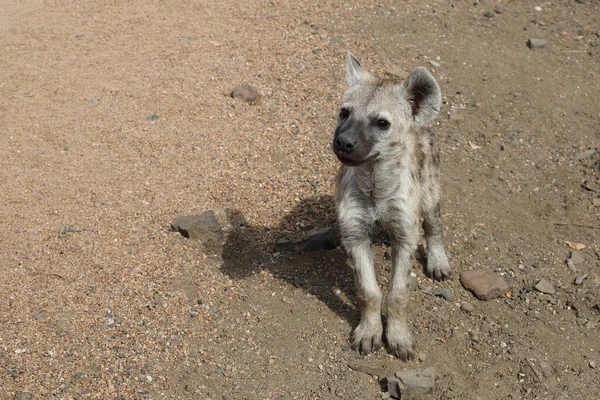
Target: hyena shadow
{"points": [[324, 273], [318, 265]]}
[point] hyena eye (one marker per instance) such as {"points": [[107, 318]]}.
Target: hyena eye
{"points": [[383, 124], [344, 113]]}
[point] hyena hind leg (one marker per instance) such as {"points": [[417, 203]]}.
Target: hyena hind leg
{"points": [[438, 266]]}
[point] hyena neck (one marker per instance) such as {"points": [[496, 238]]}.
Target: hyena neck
{"points": [[381, 179]]}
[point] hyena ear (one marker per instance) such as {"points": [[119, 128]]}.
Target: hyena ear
{"points": [[423, 94], [354, 72]]}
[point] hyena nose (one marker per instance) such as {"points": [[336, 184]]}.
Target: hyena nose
{"points": [[345, 144]]}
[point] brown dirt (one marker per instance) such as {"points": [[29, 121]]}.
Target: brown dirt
{"points": [[117, 118]]}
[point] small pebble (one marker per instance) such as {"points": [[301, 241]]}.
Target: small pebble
{"points": [[534, 43], [246, 93], [592, 364], [591, 186], [544, 286], [579, 279], [467, 307], [443, 292]]}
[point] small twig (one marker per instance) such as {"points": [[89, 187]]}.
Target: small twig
{"points": [[38, 275], [576, 225], [537, 374]]}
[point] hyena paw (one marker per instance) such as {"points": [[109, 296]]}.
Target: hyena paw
{"points": [[399, 342], [438, 267], [366, 338]]}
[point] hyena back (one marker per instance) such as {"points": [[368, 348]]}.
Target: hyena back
{"points": [[390, 176]]}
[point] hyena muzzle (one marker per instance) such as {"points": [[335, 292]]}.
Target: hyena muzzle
{"points": [[390, 176]]}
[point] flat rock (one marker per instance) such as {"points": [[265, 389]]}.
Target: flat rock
{"points": [[204, 228], [499, 8], [413, 384], [23, 396], [579, 279], [443, 292], [544, 286], [484, 283], [367, 369], [398, 72], [591, 186], [585, 154], [576, 257], [246, 93], [534, 43]]}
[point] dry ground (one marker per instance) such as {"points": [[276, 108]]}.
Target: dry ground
{"points": [[116, 118]]}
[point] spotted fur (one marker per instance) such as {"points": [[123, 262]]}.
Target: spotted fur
{"points": [[390, 176]]}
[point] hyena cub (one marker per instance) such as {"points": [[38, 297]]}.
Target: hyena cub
{"points": [[390, 176]]}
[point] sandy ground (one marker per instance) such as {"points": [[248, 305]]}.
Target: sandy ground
{"points": [[116, 118]]}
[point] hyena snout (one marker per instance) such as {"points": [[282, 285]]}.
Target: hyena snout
{"points": [[345, 143]]}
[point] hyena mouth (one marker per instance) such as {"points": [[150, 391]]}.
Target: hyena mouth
{"points": [[352, 162]]}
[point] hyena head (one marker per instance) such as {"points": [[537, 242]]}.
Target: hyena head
{"points": [[377, 113]]}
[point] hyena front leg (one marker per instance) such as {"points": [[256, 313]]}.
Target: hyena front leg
{"points": [[397, 334], [367, 335]]}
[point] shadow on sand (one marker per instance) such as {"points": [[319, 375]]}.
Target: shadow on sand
{"points": [[325, 274]]}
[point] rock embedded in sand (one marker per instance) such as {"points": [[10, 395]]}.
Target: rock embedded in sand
{"points": [[443, 292], [576, 257], [411, 384], [204, 228], [544, 286], [484, 283], [246, 93], [534, 43]]}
